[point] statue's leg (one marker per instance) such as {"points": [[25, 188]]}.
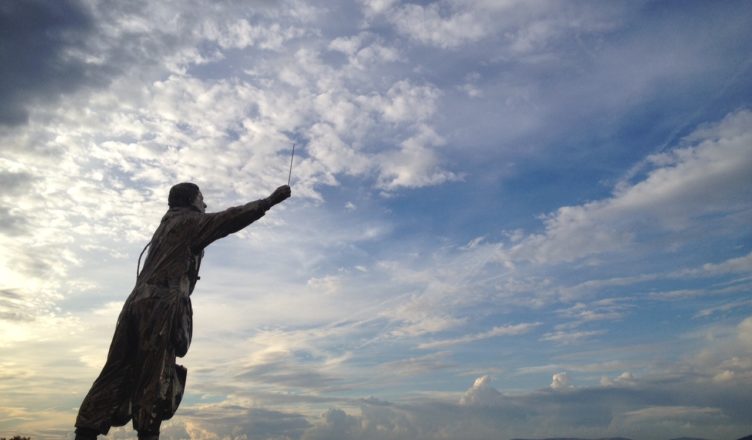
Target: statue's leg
{"points": [[111, 388], [155, 362], [86, 434]]}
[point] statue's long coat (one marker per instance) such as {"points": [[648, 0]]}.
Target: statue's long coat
{"points": [[140, 379]]}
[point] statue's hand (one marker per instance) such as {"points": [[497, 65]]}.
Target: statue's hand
{"points": [[280, 194]]}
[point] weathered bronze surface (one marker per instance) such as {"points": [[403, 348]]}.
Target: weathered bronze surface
{"points": [[140, 380]]}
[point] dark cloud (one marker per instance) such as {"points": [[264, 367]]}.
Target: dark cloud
{"points": [[282, 372], [671, 407], [12, 307], [10, 223], [9, 293], [14, 183], [655, 409], [257, 423], [13, 316], [40, 44], [336, 424], [36, 262]]}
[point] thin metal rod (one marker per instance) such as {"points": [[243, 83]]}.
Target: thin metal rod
{"points": [[291, 157]]}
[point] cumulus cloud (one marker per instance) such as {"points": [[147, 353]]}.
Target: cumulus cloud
{"points": [[240, 34], [483, 411], [518, 28], [510, 269], [428, 25], [560, 381], [415, 164], [237, 421], [230, 135], [481, 393], [335, 423], [377, 6]]}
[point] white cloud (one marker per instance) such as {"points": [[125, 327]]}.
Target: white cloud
{"points": [[506, 330], [428, 24], [406, 102], [624, 379], [560, 381], [741, 264], [330, 284], [377, 6], [416, 366], [364, 50], [516, 28], [415, 322], [745, 333], [347, 45], [613, 365], [724, 308], [240, 34], [695, 181], [166, 125], [415, 164], [580, 313], [733, 266], [570, 337], [662, 413], [472, 90], [481, 393]]}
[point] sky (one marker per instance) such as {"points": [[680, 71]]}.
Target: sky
{"points": [[509, 218]]}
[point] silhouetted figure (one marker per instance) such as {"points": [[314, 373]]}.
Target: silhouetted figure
{"points": [[140, 379]]}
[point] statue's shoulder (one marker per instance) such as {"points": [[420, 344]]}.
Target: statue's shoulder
{"points": [[181, 213], [180, 217]]}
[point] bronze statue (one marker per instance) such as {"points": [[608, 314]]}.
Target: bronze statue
{"points": [[140, 379]]}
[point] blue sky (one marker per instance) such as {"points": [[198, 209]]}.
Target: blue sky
{"points": [[509, 218]]}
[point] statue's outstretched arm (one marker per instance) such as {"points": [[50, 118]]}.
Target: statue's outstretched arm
{"points": [[216, 225]]}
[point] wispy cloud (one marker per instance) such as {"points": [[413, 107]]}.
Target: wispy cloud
{"points": [[507, 330]]}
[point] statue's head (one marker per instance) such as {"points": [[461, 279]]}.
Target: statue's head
{"points": [[186, 195]]}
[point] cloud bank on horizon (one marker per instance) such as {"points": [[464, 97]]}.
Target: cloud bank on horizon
{"points": [[510, 218]]}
